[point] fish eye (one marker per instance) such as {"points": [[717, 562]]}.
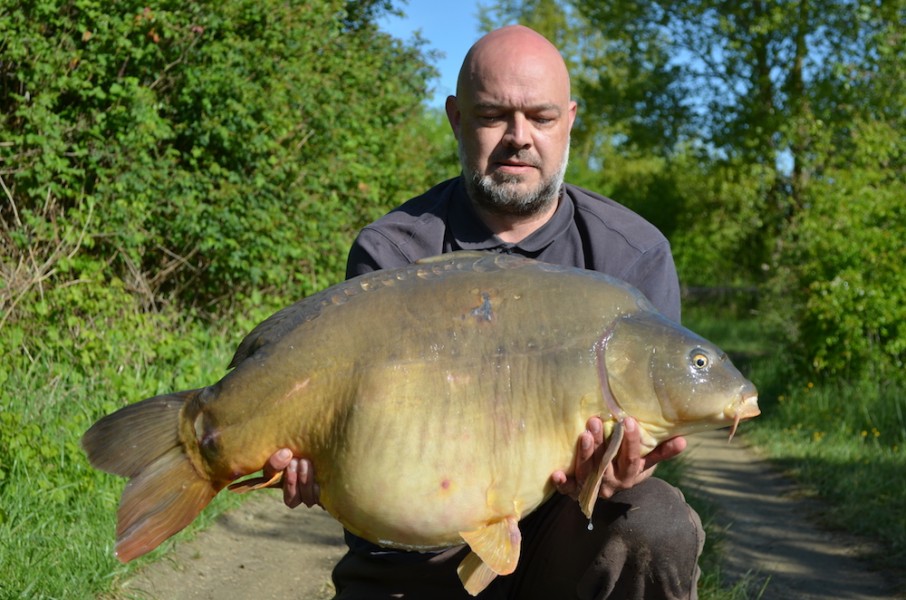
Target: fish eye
{"points": [[699, 359]]}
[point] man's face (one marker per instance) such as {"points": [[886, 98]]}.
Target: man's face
{"points": [[513, 125]]}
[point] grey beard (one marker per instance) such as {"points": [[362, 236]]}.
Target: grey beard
{"points": [[500, 198]]}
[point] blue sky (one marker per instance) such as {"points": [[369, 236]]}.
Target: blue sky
{"points": [[451, 27]]}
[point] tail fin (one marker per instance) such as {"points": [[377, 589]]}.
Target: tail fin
{"points": [[165, 492]]}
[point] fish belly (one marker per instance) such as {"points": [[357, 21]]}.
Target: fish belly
{"points": [[428, 450]]}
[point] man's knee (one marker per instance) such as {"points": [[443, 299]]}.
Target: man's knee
{"points": [[658, 519], [652, 548]]}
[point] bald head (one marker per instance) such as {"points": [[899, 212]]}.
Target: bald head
{"points": [[516, 53]]}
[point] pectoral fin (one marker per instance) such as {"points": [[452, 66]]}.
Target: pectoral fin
{"points": [[256, 483], [495, 551], [590, 489]]}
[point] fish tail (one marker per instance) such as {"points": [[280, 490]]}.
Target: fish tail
{"points": [[165, 491]]}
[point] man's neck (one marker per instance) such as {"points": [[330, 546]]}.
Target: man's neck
{"points": [[512, 229]]}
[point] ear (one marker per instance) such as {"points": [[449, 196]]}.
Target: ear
{"points": [[573, 108], [454, 115]]}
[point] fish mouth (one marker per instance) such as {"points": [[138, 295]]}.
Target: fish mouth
{"points": [[743, 409]]}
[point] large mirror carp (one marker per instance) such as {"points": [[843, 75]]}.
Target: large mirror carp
{"points": [[471, 374]]}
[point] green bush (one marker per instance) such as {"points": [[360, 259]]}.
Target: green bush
{"points": [[209, 149], [195, 159], [721, 236], [843, 264]]}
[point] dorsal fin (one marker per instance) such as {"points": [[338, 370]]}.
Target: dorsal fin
{"points": [[450, 255]]}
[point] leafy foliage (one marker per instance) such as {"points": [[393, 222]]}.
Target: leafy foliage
{"points": [[209, 158], [219, 150], [743, 132], [844, 269], [719, 237]]}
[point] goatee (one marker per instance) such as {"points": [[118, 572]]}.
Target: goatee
{"points": [[499, 194]]}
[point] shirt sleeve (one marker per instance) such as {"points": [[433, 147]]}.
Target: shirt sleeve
{"points": [[373, 251], [654, 274]]}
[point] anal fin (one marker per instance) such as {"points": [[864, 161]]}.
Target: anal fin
{"points": [[495, 551], [475, 574]]}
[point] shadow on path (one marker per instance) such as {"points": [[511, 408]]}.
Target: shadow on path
{"points": [[768, 531]]}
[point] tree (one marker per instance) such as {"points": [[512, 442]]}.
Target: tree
{"points": [[844, 263], [758, 73]]}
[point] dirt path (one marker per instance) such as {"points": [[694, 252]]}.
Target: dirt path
{"points": [[769, 531], [260, 551], [265, 551]]}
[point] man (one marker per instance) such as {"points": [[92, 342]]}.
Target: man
{"points": [[512, 116]]}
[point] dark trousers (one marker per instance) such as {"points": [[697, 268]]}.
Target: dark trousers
{"points": [[644, 545]]}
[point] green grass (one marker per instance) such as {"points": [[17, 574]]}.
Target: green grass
{"points": [[57, 514]]}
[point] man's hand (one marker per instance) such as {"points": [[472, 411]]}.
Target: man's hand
{"points": [[628, 468], [298, 482]]}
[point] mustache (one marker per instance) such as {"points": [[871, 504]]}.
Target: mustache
{"points": [[523, 156]]}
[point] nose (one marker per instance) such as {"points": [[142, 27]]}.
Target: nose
{"points": [[518, 132]]}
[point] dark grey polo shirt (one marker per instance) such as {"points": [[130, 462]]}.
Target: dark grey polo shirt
{"points": [[587, 231]]}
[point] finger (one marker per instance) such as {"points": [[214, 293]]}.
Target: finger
{"points": [[309, 492], [628, 463], [565, 485], [585, 449], [595, 426], [291, 484], [277, 461], [666, 450]]}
